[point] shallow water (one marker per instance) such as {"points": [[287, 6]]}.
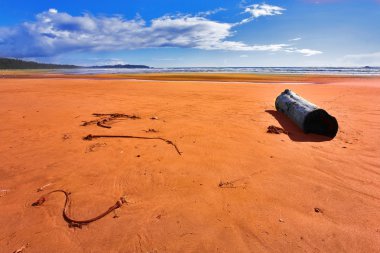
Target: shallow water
{"points": [[373, 71]]}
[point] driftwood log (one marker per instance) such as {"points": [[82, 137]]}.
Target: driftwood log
{"points": [[306, 115]]}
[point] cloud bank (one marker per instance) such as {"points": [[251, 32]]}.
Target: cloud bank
{"points": [[54, 33], [372, 59]]}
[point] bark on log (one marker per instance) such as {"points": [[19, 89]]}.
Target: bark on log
{"points": [[306, 115]]}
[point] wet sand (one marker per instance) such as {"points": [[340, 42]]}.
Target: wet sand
{"points": [[234, 188]]}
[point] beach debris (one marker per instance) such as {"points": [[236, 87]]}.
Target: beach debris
{"points": [[43, 187], [281, 220], [115, 215], [318, 210], [107, 118], [66, 136], [276, 130], [90, 137], [226, 184], [306, 115], [21, 249], [79, 223], [151, 130], [154, 118], [184, 234], [232, 183], [94, 147], [116, 115]]}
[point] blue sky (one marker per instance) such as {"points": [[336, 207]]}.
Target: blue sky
{"points": [[178, 33]]}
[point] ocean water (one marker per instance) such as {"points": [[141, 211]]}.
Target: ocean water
{"points": [[363, 71]]}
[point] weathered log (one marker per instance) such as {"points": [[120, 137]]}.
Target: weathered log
{"points": [[306, 115]]}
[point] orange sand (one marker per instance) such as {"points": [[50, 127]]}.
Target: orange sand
{"points": [[175, 202]]}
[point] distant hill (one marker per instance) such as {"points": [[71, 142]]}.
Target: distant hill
{"points": [[6, 63], [121, 66]]}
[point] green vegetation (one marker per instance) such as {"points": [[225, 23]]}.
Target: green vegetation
{"points": [[6, 63]]}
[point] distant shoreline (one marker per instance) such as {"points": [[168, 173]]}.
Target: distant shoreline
{"points": [[190, 77], [14, 64], [279, 71]]}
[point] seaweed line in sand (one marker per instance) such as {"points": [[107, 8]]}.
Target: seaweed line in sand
{"points": [[108, 118], [90, 137], [79, 223]]}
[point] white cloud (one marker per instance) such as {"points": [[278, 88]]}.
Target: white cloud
{"points": [[243, 56], [55, 33], [212, 12], [296, 39], [240, 46], [53, 11], [307, 52], [259, 10]]}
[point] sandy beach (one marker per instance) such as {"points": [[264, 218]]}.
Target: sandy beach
{"points": [[233, 188]]}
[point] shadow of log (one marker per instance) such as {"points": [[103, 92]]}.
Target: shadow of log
{"points": [[295, 133]]}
